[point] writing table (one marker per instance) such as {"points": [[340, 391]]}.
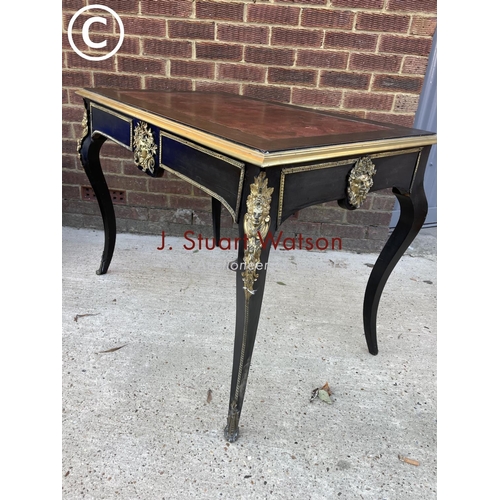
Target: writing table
{"points": [[263, 161]]}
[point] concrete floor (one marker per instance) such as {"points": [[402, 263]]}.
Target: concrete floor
{"points": [[136, 420]]}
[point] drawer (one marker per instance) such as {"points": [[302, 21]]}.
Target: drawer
{"points": [[111, 124], [218, 175], [328, 181]]}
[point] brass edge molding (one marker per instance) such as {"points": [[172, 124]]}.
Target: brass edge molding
{"points": [[145, 147], [360, 181], [417, 165], [256, 223], [111, 112], [330, 164], [237, 164], [256, 157], [221, 145], [210, 152]]}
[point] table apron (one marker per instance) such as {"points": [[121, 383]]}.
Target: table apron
{"points": [[328, 181]]}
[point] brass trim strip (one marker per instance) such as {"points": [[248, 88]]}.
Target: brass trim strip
{"points": [[330, 164], [111, 112], [415, 171], [235, 163], [260, 158]]}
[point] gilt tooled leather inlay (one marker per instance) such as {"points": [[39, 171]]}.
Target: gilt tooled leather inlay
{"points": [[252, 122]]}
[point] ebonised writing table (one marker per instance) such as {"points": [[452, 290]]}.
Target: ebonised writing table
{"points": [[263, 161]]}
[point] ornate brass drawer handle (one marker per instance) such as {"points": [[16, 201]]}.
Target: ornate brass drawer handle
{"points": [[144, 147], [360, 181]]}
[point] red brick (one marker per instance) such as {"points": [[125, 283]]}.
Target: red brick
{"points": [[358, 4], [343, 231], [141, 66], [367, 217], [68, 146], [242, 72], [377, 233], [130, 45], [413, 5], [296, 37], [177, 186], [310, 2], [72, 113], [403, 120], [116, 80], [116, 152], [190, 202], [322, 59], [273, 14], [291, 76], [327, 18], [348, 80], [194, 69], [405, 45], [269, 56], [76, 62], [191, 30], [144, 26], [94, 28], [67, 131], [76, 79], [356, 41], [167, 48], [382, 202], [423, 26], [127, 182], [368, 100], [147, 199], [415, 65], [74, 98], [70, 161], [219, 10], [167, 8], [320, 213], [375, 62], [243, 34], [406, 103], [316, 98], [268, 92], [73, 5], [162, 83], [219, 51], [115, 165], [393, 83], [370, 21], [70, 193]]}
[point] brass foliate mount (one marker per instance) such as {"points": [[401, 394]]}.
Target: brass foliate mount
{"points": [[144, 148], [360, 181], [256, 226], [85, 131]]}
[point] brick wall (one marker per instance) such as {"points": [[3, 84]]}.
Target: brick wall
{"points": [[361, 57]]}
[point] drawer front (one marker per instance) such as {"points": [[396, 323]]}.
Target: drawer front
{"points": [[329, 181], [218, 175], [112, 125]]}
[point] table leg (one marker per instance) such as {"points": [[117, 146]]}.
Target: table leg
{"points": [[253, 255], [413, 213], [216, 211], [89, 156]]}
